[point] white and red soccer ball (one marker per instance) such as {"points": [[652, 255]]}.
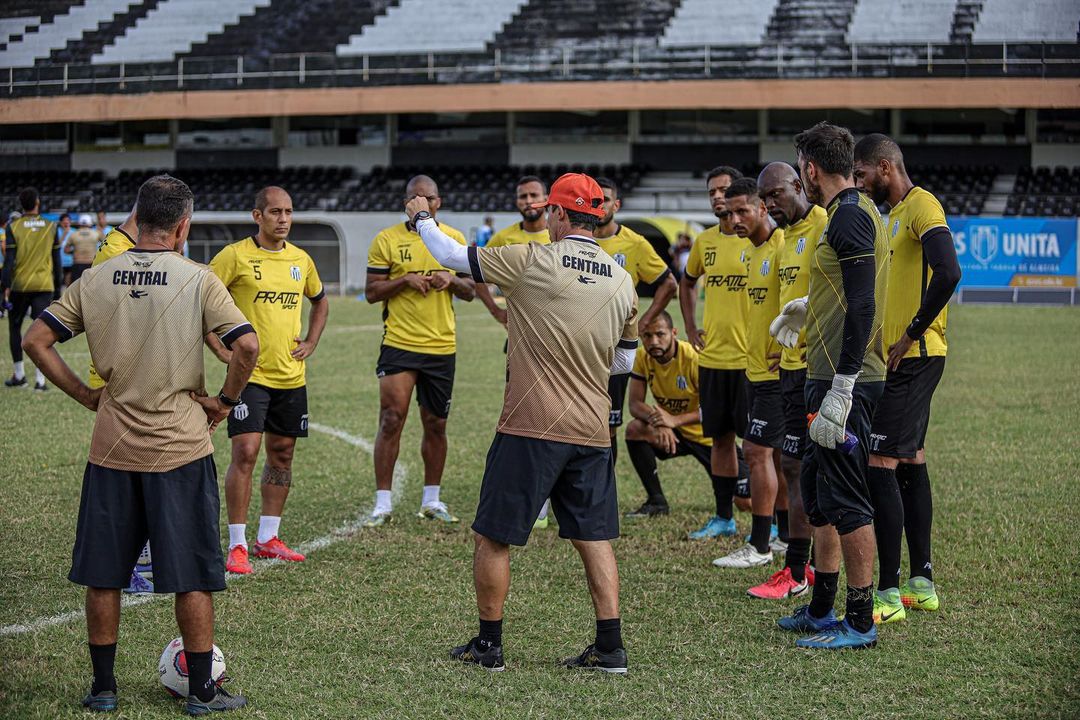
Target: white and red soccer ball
{"points": [[173, 670]]}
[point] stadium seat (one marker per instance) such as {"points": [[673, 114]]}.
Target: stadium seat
{"points": [[901, 21], [707, 22], [56, 33], [1044, 21]]}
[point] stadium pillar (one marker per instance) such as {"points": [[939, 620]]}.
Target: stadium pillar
{"points": [[895, 122], [633, 126], [279, 131]]}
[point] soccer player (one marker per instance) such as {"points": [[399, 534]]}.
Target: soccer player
{"points": [[551, 439], [764, 435], [803, 225], [266, 276], [922, 276], [32, 276], [637, 256], [719, 255], [151, 466], [82, 245], [672, 427], [530, 190], [418, 350], [845, 370]]}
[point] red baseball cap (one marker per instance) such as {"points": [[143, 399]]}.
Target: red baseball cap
{"points": [[577, 192]]}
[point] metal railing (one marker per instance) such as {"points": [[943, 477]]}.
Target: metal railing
{"points": [[600, 63]]}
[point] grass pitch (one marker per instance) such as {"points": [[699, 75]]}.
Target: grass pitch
{"points": [[363, 627]]}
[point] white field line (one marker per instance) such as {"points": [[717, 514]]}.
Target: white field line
{"points": [[344, 532]]}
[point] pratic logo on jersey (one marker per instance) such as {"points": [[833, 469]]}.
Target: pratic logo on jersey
{"points": [[675, 406], [985, 242], [287, 300], [787, 275], [589, 266], [758, 295], [734, 283], [140, 277]]}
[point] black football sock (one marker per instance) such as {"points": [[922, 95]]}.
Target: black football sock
{"points": [[491, 632], [918, 499], [760, 531], [199, 683], [888, 524], [608, 635], [859, 612], [782, 525], [103, 658], [824, 597], [744, 469], [723, 488], [643, 458], [798, 552]]}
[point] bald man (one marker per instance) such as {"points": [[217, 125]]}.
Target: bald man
{"points": [[266, 276], [418, 349]]}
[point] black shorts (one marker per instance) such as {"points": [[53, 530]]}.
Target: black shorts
{"points": [[263, 409], [765, 425], [77, 270], [522, 472], [176, 510], [903, 413], [723, 401], [833, 483], [793, 389], [434, 376], [684, 447], [616, 390]]}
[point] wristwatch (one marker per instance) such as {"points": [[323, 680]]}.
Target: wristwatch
{"points": [[226, 400], [422, 215]]}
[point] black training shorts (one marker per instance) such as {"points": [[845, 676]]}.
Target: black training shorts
{"points": [[903, 414], [723, 401], [793, 389], [434, 376], [684, 447], [263, 409], [176, 510], [616, 390], [522, 472], [833, 483], [766, 423]]}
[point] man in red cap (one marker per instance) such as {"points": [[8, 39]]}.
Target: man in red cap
{"points": [[572, 323]]}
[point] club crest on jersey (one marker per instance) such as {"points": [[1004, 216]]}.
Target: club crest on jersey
{"points": [[619, 258], [680, 382], [765, 265], [295, 272], [240, 412], [895, 227], [742, 256], [800, 245]]}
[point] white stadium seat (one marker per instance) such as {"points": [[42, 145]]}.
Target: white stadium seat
{"points": [[173, 27], [1045, 20], [718, 22], [901, 21], [422, 26], [56, 34]]}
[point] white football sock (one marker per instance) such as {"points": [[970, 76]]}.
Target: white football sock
{"points": [[431, 496], [39, 377], [544, 510], [268, 527], [19, 372], [383, 503], [237, 535]]}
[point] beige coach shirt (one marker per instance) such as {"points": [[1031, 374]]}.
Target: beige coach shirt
{"points": [[145, 315], [569, 304]]}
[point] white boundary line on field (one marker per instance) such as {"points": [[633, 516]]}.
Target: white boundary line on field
{"points": [[344, 532]]}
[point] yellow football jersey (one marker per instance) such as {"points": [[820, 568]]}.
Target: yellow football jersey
{"points": [[116, 242], [722, 260], [763, 293], [267, 287], [34, 239], [793, 263], [516, 234], [411, 321], [674, 385], [635, 254], [909, 274]]}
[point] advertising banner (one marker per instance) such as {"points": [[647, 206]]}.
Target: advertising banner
{"points": [[1016, 252]]}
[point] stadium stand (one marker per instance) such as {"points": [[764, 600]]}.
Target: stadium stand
{"points": [[557, 24], [172, 28], [1041, 192], [706, 22], [885, 21], [421, 26], [1047, 21], [58, 31], [91, 42], [811, 22]]}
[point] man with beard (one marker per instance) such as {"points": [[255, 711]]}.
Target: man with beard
{"points": [[803, 224], [672, 427], [922, 276]]}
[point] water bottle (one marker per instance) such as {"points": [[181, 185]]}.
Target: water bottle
{"points": [[850, 441]]}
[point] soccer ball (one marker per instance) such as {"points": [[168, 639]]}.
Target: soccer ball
{"points": [[173, 671]]}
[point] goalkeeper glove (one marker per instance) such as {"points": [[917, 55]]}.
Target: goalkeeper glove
{"points": [[785, 328], [829, 427]]}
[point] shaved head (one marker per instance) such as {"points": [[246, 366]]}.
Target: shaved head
{"points": [[776, 173], [421, 185], [271, 195], [781, 189]]}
